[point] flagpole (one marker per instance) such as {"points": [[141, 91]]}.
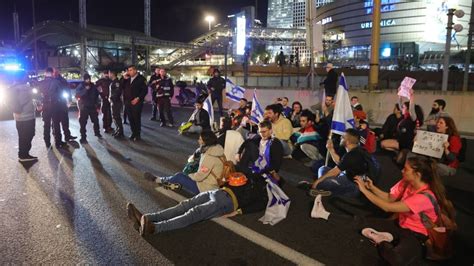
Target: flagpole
{"points": [[327, 150]]}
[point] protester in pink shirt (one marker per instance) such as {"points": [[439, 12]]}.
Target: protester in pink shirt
{"points": [[419, 191]]}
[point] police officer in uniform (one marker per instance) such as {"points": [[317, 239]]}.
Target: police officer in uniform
{"points": [[117, 103], [64, 118], [52, 108], [164, 94], [103, 87], [88, 106], [216, 85], [152, 84]]}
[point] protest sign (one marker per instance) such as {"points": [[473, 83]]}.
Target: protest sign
{"points": [[429, 143], [405, 89]]}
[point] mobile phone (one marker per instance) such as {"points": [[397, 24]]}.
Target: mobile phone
{"points": [[364, 178]]}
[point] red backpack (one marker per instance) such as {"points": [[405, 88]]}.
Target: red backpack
{"points": [[371, 142]]}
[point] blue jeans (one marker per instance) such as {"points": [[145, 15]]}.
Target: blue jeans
{"points": [[339, 185], [188, 184], [204, 206]]}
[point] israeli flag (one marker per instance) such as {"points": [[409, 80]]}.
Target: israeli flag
{"points": [[343, 117], [207, 105], [233, 92], [257, 112]]}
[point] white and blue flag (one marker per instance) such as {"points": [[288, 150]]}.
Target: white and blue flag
{"points": [[343, 118], [207, 105], [257, 111], [233, 92]]}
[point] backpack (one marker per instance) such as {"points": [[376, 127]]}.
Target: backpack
{"points": [[373, 166], [228, 168]]}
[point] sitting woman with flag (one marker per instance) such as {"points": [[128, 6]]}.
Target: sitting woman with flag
{"points": [[204, 176], [199, 120]]}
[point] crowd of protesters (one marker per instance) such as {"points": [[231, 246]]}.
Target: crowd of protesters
{"points": [[341, 165]]}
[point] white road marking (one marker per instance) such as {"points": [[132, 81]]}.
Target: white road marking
{"points": [[255, 237]]}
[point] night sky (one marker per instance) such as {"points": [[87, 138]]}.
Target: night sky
{"points": [[177, 20]]}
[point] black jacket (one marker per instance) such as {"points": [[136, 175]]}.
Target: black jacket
{"points": [[88, 96], [203, 120], [137, 88], [276, 152], [103, 84], [217, 83], [52, 93], [115, 91], [165, 88], [330, 83]]}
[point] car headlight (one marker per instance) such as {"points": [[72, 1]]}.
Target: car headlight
{"points": [[34, 90], [65, 95]]}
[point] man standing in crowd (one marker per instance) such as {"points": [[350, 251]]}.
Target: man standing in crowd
{"points": [[330, 83], [123, 80], [152, 84], [103, 87], [216, 85], [53, 103], [24, 115], [88, 107], [117, 103], [64, 117], [134, 93], [437, 111], [164, 94], [282, 127]]}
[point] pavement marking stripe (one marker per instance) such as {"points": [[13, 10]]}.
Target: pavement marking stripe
{"points": [[255, 237]]}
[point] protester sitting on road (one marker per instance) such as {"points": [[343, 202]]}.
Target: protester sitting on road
{"points": [[412, 118], [296, 113], [262, 154], [437, 111], [355, 104], [414, 199], [199, 119], [286, 110], [389, 128], [281, 126], [211, 164], [242, 105], [240, 195], [449, 162], [339, 180], [306, 141]]}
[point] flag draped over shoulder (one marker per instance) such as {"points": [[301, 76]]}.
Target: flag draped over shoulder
{"points": [[233, 92], [343, 118], [207, 105], [257, 111]]}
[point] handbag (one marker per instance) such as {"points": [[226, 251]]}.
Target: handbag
{"points": [[439, 245]]}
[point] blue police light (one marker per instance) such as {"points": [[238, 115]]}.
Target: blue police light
{"points": [[12, 67]]}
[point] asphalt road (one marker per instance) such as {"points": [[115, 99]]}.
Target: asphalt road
{"points": [[69, 208]]}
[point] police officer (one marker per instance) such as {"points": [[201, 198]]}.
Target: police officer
{"points": [[64, 118], [88, 106], [52, 108], [123, 80], [103, 87], [164, 94], [117, 103], [152, 84], [216, 85]]}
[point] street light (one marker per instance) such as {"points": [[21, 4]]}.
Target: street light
{"points": [[209, 20], [457, 28]]}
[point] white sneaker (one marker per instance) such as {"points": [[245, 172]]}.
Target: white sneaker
{"points": [[376, 236]]}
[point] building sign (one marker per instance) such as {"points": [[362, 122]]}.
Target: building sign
{"points": [[383, 23], [370, 3], [386, 6], [241, 27], [326, 20]]}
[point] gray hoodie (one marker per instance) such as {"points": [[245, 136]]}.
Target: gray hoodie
{"points": [[22, 102]]}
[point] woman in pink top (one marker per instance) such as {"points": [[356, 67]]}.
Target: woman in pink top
{"points": [[419, 191]]}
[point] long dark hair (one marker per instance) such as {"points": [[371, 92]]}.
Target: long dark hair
{"points": [[427, 168], [420, 116], [296, 103], [452, 129]]}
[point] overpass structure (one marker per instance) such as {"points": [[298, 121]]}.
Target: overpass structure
{"points": [[60, 43]]}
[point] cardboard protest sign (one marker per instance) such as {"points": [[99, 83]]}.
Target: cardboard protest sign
{"points": [[429, 143], [405, 89]]}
